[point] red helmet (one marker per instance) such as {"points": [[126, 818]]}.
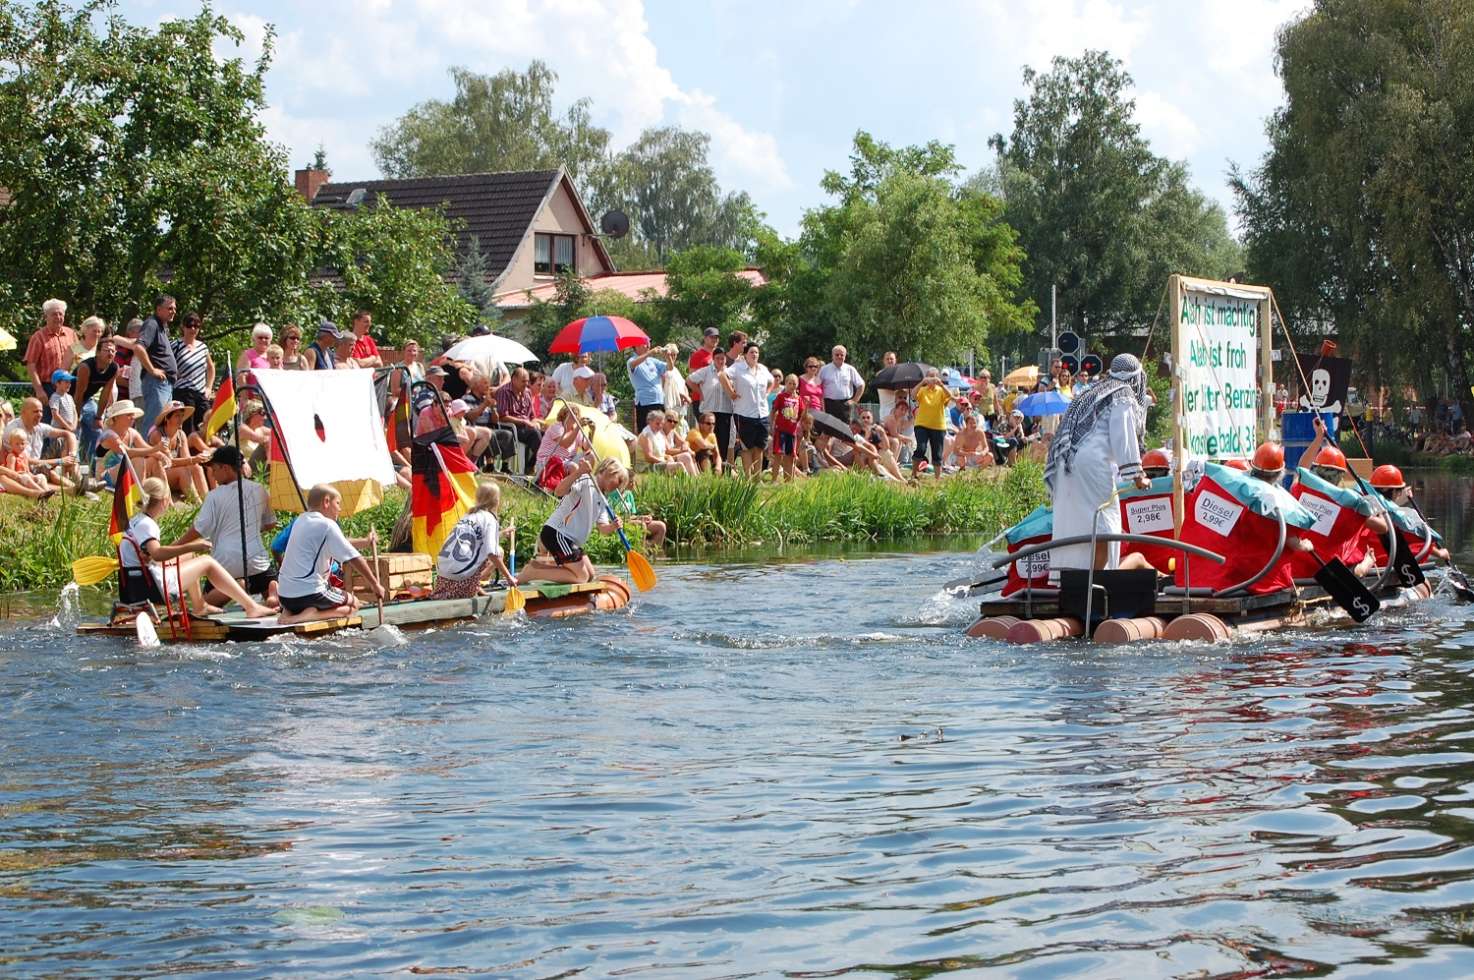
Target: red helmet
{"points": [[1387, 477], [1270, 456], [1155, 459], [1237, 464], [1331, 457]]}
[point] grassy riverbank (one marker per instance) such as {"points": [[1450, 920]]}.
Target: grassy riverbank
{"points": [[40, 540]]}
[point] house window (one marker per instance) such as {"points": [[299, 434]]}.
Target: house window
{"points": [[552, 254]]}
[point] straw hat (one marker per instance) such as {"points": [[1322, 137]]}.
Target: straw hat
{"points": [[122, 406], [169, 410]]}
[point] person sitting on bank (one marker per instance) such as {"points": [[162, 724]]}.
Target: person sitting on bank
{"points": [[580, 509], [473, 549], [971, 444], [659, 452], [702, 441], [622, 503], [219, 521], [142, 575], [316, 542]]}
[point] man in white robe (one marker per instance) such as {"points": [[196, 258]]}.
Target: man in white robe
{"points": [[1097, 446]]}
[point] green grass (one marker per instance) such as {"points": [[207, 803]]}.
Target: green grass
{"points": [[39, 540]]}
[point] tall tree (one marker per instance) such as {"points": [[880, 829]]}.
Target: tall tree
{"points": [[1100, 215], [474, 289], [903, 260], [135, 156], [1362, 211], [495, 122]]}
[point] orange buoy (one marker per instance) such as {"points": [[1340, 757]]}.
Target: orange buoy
{"points": [[1130, 630], [1197, 626], [993, 627], [1044, 630]]}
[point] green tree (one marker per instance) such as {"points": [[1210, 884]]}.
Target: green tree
{"points": [[904, 260], [396, 262], [135, 158], [1360, 213], [1100, 215], [495, 122], [547, 317], [474, 289], [703, 289]]}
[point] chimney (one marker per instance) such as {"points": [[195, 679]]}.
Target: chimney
{"points": [[309, 180]]}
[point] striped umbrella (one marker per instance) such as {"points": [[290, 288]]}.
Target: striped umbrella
{"points": [[598, 333]]}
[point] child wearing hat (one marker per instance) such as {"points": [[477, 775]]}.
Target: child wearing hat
{"points": [[63, 407]]}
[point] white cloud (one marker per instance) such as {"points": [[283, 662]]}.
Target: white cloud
{"points": [[1034, 33], [1173, 132]]}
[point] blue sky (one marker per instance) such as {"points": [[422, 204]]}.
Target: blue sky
{"points": [[781, 86]]}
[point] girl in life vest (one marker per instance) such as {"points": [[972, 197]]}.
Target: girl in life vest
{"points": [[1346, 523], [1392, 493], [1234, 515]]}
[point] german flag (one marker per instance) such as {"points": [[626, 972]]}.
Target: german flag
{"points": [[126, 500], [442, 488], [398, 419], [223, 408]]}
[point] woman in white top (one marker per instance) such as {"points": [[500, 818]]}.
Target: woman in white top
{"points": [[747, 383], [656, 450], [142, 575]]}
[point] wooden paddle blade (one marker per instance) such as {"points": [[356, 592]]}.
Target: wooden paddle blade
{"points": [[93, 569], [1348, 591], [515, 602], [640, 570]]}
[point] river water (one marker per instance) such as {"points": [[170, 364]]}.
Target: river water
{"points": [[772, 767]]}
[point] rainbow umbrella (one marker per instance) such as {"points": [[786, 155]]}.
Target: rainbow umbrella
{"points": [[598, 333]]}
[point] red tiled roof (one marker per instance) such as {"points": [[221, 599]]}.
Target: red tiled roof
{"points": [[631, 284]]}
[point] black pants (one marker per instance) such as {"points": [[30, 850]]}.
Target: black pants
{"points": [[838, 407], [935, 438], [195, 418], [641, 411], [724, 435], [503, 442]]}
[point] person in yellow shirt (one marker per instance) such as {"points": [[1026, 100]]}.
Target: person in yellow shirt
{"points": [[702, 441], [932, 399]]}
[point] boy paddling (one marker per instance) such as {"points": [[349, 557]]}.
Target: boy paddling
{"points": [[316, 542]]}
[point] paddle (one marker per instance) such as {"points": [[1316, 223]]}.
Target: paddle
{"points": [[516, 601], [640, 569], [93, 569], [374, 544], [1456, 577], [1342, 585]]}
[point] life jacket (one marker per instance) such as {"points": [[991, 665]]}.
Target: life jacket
{"points": [[1149, 511], [1233, 514], [1340, 529], [1037, 528]]}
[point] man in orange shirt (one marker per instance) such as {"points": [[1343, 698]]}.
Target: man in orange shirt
{"points": [[49, 350]]}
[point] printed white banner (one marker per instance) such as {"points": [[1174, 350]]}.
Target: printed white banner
{"points": [[1217, 514], [1325, 511], [1219, 374], [1150, 516]]}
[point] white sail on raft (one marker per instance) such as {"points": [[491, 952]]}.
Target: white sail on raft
{"points": [[331, 430]]}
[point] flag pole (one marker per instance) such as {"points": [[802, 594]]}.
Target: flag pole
{"points": [[240, 476]]}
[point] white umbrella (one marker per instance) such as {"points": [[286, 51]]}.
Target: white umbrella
{"points": [[503, 349]]}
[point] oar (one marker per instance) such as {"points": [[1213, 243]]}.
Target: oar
{"points": [[1349, 592], [374, 544], [1456, 577], [640, 569], [93, 569], [516, 601]]}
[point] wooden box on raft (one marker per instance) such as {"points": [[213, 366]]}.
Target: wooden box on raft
{"points": [[396, 572]]}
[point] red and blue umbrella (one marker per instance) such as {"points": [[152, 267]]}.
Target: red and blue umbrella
{"points": [[598, 333]]}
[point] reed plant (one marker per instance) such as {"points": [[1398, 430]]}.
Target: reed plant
{"points": [[40, 539]]}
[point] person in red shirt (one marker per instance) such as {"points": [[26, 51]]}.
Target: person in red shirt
{"points": [[365, 351], [49, 350], [701, 356], [788, 408]]}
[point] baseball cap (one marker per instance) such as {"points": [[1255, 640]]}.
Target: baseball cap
{"points": [[328, 327], [711, 332], [62, 374], [437, 369]]}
